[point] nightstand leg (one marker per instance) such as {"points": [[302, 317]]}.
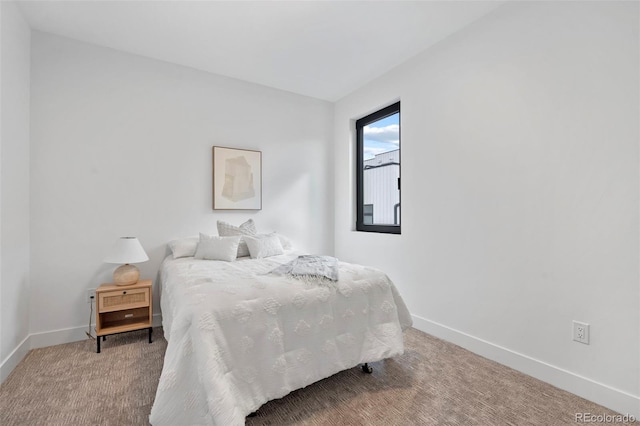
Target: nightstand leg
{"points": [[104, 338], [98, 340], [150, 333]]}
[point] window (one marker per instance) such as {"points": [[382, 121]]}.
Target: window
{"points": [[378, 171]]}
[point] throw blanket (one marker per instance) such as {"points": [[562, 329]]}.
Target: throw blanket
{"points": [[311, 269]]}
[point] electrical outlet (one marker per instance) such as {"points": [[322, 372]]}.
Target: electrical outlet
{"points": [[581, 332], [91, 295]]}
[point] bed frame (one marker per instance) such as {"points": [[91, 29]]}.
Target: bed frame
{"points": [[366, 368]]}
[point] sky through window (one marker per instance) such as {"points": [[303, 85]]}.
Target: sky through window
{"points": [[382, 136]]}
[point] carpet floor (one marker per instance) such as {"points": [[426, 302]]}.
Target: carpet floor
{"points": [[433, 383]]}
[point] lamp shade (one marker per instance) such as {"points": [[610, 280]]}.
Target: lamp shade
{"points": [[127, 250]]}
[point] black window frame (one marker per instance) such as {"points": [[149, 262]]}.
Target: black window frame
{"points": [[360, 124]]}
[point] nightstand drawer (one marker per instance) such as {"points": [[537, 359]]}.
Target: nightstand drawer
{"points": [[123, 299], [125, 317]]}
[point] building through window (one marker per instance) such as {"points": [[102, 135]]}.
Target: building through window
{"points": [[368, 214], [378, 168]]}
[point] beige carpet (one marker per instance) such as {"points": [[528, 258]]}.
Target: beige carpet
{"points": [[433, 383]]}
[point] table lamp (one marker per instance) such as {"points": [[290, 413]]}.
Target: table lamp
{"points": [[126, 250]]}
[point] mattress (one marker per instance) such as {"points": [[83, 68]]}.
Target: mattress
{"points": [[239, 336]]}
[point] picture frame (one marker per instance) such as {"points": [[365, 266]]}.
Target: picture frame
{"points": [[237, 179]]}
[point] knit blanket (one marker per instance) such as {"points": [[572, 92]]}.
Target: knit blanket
{"points": [[311, 269]]}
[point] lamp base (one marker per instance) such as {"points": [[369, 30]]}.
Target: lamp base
{"points": [[126, 275]]}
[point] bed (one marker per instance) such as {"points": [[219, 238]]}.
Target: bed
{"points": [[239, 336]]}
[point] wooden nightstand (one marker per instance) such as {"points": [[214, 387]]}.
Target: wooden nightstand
{"points": [[123, 308]]}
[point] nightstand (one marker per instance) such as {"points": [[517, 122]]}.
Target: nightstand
{"points": [[120, 309]]}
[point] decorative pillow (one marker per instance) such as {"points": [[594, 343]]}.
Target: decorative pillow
{"points": [[212, 247], [264, 245], [184, 247], [286, 242], [227, 230]]}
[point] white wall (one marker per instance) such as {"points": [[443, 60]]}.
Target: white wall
{"points": [[520, 191], [14, 192], [122, 145]]}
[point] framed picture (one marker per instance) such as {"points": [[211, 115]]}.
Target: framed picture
{"points": [[237, 179]]}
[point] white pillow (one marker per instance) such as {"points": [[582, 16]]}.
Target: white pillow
{"points": [[212, 247], [286, 242], [264, 245], [228, 230], [184, 247]]}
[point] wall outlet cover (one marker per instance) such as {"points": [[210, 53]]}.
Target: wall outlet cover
{"points": [[581, 332]]}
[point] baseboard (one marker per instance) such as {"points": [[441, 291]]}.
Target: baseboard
{"points": [[157, 320], [614, 399], [58, 337], [14, 358], [68, 335], [49, 338]]}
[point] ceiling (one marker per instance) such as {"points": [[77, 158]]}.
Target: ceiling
{"points": [[322, 49]]}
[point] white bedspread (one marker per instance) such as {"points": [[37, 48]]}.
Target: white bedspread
{"points": [[239, 337]]}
